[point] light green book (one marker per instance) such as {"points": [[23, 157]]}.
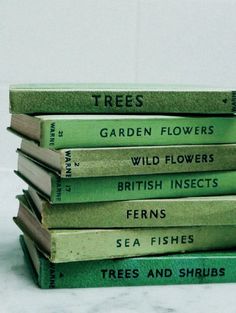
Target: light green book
{"points": [[182, 268], [118, 161], [74, 131], [95, 189], [70, 245], [193, 211], [119, 98]]}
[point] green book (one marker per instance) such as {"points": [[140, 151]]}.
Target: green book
{"points": [[134, 213], [95, 189], [74, 131], [119, 98], [118, 161], [188, 268], [70, 245]]}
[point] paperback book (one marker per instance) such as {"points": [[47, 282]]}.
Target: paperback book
{"points": [[76, 131], [119, 98], [118, 161], [195, 211]]}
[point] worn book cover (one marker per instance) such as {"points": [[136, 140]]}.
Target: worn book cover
{"points": [[120, 98], [77, 131], [195, 211], [118, 161]]}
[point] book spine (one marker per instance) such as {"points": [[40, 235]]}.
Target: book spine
{"points": [[47, 276], [67, 133], [77, 245], [143, 213], [95, 189], [163, 270], [107, 101], [146, 160]]}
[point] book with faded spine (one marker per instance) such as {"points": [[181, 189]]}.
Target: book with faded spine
{"points": [[118, 161], [188, 268], [76, 131], [95, 189], [196, 211], [70, 245], [120, 98]]}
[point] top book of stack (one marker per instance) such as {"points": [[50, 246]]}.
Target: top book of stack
{"points": [[119, 98]]}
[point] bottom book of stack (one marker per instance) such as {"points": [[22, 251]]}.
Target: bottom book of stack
{"points": [[187, 268]]}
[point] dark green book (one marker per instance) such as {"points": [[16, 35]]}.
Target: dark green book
{"points": [[119, 98], [188, 268], [95, 189], [77, 131]]}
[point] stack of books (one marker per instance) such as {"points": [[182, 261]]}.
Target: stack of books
{"points": [[128, 185]]}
